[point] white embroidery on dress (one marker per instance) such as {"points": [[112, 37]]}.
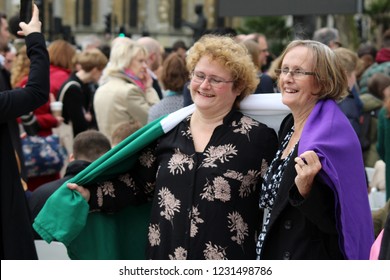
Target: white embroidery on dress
{"points": [[195, 220], [125, 178], [187, 133], [248, 181], [218, 189], [179, 254], [105, 188], [177, 161], [214, 252], [99, 194], [238, 226], [154, 235], [170, 204], [220, 153], [147, 158], [149, 187], [244, 126], [264, 167]]}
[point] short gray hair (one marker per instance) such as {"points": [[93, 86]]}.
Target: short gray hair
{"points": [[326, 35]]}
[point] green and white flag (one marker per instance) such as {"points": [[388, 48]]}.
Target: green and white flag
{"points": [[65, 217]]}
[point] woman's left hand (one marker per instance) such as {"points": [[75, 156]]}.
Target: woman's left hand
{"points": [[307, 166], [147, 81]]}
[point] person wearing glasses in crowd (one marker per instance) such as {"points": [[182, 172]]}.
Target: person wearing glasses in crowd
{"points": [[206, 173], [314, 191]]}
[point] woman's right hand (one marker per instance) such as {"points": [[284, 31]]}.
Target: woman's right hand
{"points": [[83, 191]]}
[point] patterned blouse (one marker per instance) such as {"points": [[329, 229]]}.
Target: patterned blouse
{"points": [[205, 205], [270, 187]]}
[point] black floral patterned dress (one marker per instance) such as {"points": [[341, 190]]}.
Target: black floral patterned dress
{"points": [[205, 205]]}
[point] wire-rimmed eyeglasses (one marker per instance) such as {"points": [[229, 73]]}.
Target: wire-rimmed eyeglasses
{"points": [[295, 73], [215, 82]]}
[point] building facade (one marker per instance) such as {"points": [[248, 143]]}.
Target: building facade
{"points": [[160, 18]]}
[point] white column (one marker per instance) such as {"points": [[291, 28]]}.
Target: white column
{"points": [[105, 7], [58, 7], [330, 21], [151, 16]]}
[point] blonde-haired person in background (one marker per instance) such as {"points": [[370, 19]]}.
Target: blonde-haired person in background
{"points": [[350, 105], [126, 93], [20, 68], [204, 173], [266, 84]]}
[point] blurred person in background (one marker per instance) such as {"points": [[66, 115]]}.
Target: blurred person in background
{"points": [[61, 55], [349, 105], [173, 78], [366, 53], [266, 84], [381, 64], [126, 93], [77, 98], [154, 60]]}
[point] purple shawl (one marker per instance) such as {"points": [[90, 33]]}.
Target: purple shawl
{"points": [[329, 133]]}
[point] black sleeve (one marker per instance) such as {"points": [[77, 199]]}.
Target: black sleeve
{"points": [[319, 207], [285, 127], [16, 102], [74, 106], [131, 188]]}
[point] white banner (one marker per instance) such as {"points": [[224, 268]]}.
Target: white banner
{"points": [[199, 270]]}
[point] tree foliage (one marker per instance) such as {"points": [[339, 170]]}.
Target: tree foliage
{"points": [[379, 11]]}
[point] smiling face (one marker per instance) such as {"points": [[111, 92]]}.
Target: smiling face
{"points": [[298, 92], [138, 65], [208, 98]]}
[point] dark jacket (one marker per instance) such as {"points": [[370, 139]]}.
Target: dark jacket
{"points": [[17, 237], [266, 84], [352, 112], [298, 228], [77, 101], [157, 88]]}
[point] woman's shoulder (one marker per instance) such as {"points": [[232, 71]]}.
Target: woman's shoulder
{"points": [[118, 85], [59, 71]]}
